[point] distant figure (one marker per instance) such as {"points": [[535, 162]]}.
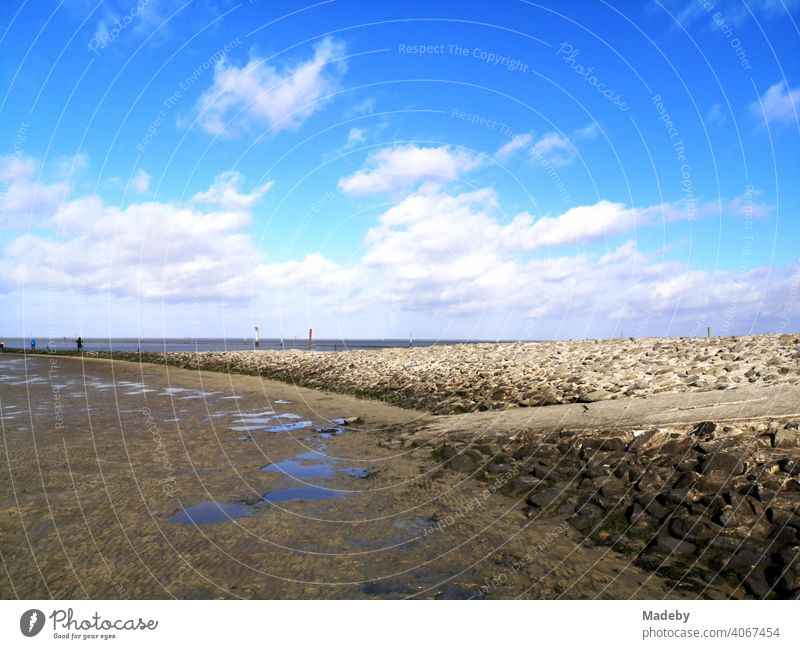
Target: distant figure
{"points": [[2, 346], [79, 343]]}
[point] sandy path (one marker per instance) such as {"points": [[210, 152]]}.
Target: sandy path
{"points": [[659, 409]]}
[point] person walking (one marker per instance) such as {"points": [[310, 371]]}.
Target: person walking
{"points": [[33, 344], [79, 342]]}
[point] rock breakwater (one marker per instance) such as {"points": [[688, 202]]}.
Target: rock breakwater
{"points": [[464, 378]]}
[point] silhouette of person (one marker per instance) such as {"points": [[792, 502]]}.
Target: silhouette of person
{"points": [[33, 344], [79, 342]]}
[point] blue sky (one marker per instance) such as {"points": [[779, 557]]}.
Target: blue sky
{"points": [[525, 170]]}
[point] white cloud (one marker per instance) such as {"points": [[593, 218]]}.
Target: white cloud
{"points": [[140, 183], [69, 166], [584, 223], [588, 132], [466, 262], [258, 94], [435, 254], [400, 167], [25, 201], [553, 148], [224, 192], [316, 274], [154, 250], [355, 136], [779, 104], [716, 115], [515, 144]]}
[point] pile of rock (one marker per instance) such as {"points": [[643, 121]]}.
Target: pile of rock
{"points": [[696, 505], [464, 378]]}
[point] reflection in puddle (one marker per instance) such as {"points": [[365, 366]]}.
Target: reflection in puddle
{"points": [[211, 512], [386, 587], [295, 426], [255, 420], [299, 470], [456, 591], [312, 455], [301, 493], [172, 390]]}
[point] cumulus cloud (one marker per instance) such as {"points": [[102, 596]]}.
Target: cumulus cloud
{"points": [[778, 104], [140, 183], [467, 262], [24, 200], [224, 192], [584, 223], [258, 94], [401, 167], [434, 253], [156, 250]]}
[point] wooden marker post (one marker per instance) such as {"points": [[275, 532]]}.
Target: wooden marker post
{"points": [[310, 337]]}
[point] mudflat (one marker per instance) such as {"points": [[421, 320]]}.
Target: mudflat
{"points": [[145, 480]]}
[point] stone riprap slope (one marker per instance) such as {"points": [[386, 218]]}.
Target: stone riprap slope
{"points": [[696, 503], [463, 378]]}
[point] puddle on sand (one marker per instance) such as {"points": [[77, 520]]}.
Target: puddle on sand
{"points": [[172, 390], [300, 470], [245, 429], [198, 395], [386, 587], [327, 433], [211, 512], [281, 401], [313, 455], [357, 472], [248, 415], [457, 591], [298, 425], [301, 493], [255, 420]]}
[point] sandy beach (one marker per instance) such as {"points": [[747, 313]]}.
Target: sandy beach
{"points": [[150, 480]]}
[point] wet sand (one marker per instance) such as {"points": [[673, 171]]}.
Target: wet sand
{"points": [[103, 463]]}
